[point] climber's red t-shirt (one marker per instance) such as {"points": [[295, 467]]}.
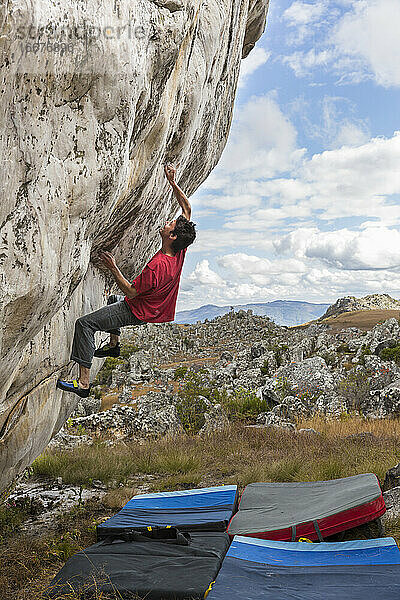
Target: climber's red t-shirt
{"points": [[157, 286]]}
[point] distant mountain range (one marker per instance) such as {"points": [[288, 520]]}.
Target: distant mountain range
{"points": [[282, 312]]}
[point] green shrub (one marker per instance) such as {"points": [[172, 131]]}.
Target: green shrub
{"points": [[283, 388], [191, 413], [364, 352], [180, 372], [66, 546], [391, 354], [329, 357], [265, 369], [105, 373], [128, 348], [244, 404], [188, 342], [11, 517], [343, 349], [279, 351], [355, 387], [190, 406]]}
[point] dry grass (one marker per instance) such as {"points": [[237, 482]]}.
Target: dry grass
{"points": [[108, 400], [239, 455], [275, 455], [350, 425], [363, 319], [117, 497]]}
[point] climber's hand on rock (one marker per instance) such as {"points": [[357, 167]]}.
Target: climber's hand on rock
{"points": [[170, 171], [108, 260]]}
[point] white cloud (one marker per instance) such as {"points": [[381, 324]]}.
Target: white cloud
{"points": [[353, 181], [267, 218], [363, 43], [256, 58], [349, 134], [302, 62], [371, 33], [262, 271], [304, 19], [307, 278], [340, 126], [203, 275], [372, 248], [303, 13], [230, 201], [262, 141], [209, 240]]}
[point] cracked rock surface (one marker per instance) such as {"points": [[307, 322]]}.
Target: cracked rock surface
{"points": [[84, 133]]}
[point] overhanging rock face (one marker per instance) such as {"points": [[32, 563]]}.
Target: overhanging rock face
{"points": [[96, 97]]}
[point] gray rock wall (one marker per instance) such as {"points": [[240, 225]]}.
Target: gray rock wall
{"points": [[85, 128]]}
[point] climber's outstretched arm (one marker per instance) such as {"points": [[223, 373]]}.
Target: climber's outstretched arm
{"points": [[184, 203], [109, 261]]}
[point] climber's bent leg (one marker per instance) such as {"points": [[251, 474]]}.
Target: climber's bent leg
{"points": [[109, 318]]}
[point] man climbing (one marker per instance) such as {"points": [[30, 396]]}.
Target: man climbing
{"points": [[150, 298]]}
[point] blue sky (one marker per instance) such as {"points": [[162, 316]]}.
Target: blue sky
{"points": [[304, 202]]}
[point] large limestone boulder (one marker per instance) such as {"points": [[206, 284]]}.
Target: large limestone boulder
{"points": [[96, 97]]}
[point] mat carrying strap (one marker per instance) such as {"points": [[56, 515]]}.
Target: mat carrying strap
{"points": [[318, 531], [165, 535], [293, 538]]}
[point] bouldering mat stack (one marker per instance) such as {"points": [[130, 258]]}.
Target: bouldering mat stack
{"points": [[168, 564], [207, 509], [316, 510], [168, 545], [255, 569]]}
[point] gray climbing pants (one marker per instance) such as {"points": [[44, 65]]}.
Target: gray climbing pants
{"points": [[109, 318]]}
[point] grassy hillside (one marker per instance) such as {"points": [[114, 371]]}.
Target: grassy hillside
{"points": [[363, 319]]}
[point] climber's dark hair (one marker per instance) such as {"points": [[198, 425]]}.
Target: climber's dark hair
{"points": [[185, 233]]}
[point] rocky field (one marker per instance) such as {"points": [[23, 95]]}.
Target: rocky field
{"points": [[198, 378], [233, 400]]}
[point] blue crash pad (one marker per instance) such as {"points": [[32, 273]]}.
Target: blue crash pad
{"points": [[256, 569], [208, 509]]}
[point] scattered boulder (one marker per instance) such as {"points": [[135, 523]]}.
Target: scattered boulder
{"points": [[65, 441], [156, 416], [272, 420], [215, 420], [125, 397], [307, 379], [308, 431], [291, 409], [140, 368], [382, 332], [383, 403], [330, 405], [87, 406], [392, 478], [389, 343], [45, 501], [257, 351], [381, 373], [117, 422], [392, 501]]}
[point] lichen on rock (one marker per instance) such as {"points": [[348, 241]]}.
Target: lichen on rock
{"points": [[86, 126]]}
